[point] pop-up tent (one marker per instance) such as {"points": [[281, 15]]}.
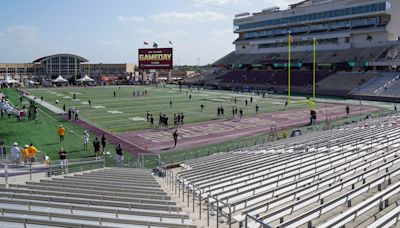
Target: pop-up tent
{"points": [[59, 79], [8, 80], [85, 79]]}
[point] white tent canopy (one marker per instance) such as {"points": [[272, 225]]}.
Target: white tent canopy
{"points": [[60, 79], [9, 80], [85, 79]]}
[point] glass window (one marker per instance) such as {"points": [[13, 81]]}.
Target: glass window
{"points": [[316, 16], [382, 6]]}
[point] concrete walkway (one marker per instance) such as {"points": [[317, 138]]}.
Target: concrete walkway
{"points": [[47, 105]]}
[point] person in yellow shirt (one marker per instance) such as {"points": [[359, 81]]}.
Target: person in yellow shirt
{"points": [[25, 154], [284, 134], [61, 133], [32, 152]]}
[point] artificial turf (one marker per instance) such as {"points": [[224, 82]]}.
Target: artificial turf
{"points": [[127, 113], [43, 132]]}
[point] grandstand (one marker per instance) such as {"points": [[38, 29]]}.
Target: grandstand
{"points": [[103, 198], [357, 43], [342, 83], [345, 177]]}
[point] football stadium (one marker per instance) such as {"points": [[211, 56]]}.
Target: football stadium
{"points": [[296, 127]]}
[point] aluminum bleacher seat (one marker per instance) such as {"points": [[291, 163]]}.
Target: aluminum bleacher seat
{"points": [[329, 179], [103, 198]]}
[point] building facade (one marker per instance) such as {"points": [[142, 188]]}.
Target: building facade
{"points": [[107, 69], [66, 65], [20, 70], [335, 24]]}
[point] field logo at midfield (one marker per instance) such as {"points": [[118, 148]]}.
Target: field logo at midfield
{"points": [[137, 119], [114, 112]]}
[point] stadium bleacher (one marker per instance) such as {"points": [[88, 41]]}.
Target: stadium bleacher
{"points": [[369, 54], [345, 176], [105, 198], [392, 89], [342, 83], [377, 84], [342, 72], [271, 78]]}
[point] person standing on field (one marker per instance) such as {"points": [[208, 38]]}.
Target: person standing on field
{"points": [[85, 140], [175, 136], [118, 155], [63, 160], [96, 146], [61, 133], [76, 114], [103, 143], [15, 153]]}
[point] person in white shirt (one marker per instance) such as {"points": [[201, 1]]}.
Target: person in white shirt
{"points": [[76, 114], [15, 153], [85, 139]]}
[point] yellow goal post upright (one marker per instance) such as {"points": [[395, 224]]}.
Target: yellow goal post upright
{"points": [[290, 39], [312, 101]]}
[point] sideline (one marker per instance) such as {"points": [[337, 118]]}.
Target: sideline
{"points": [[57, 110], [47, 105]]}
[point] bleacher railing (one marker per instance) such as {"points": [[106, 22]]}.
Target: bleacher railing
{"points": [[259, 222], [218, 210], [50, 170]]}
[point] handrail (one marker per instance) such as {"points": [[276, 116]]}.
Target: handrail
{"points": [[264, 225], [50, 169], [348, 196], [229, 216], [194, 193]]}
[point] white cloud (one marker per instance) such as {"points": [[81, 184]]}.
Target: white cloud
{"points": [[143, 31], [218, 2], [283, 4], [112, 43], [20, 36], [133, 18], [23, 31], [70, 38], [200, 16], [223, 32], [170, 36]]}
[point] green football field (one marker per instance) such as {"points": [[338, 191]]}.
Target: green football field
{"points": [[43, 132], [127, 113]]}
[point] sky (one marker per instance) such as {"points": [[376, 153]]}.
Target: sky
{"points": [[111, 31]]}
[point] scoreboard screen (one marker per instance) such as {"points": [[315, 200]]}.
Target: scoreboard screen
{"points": [[155, 58]]}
